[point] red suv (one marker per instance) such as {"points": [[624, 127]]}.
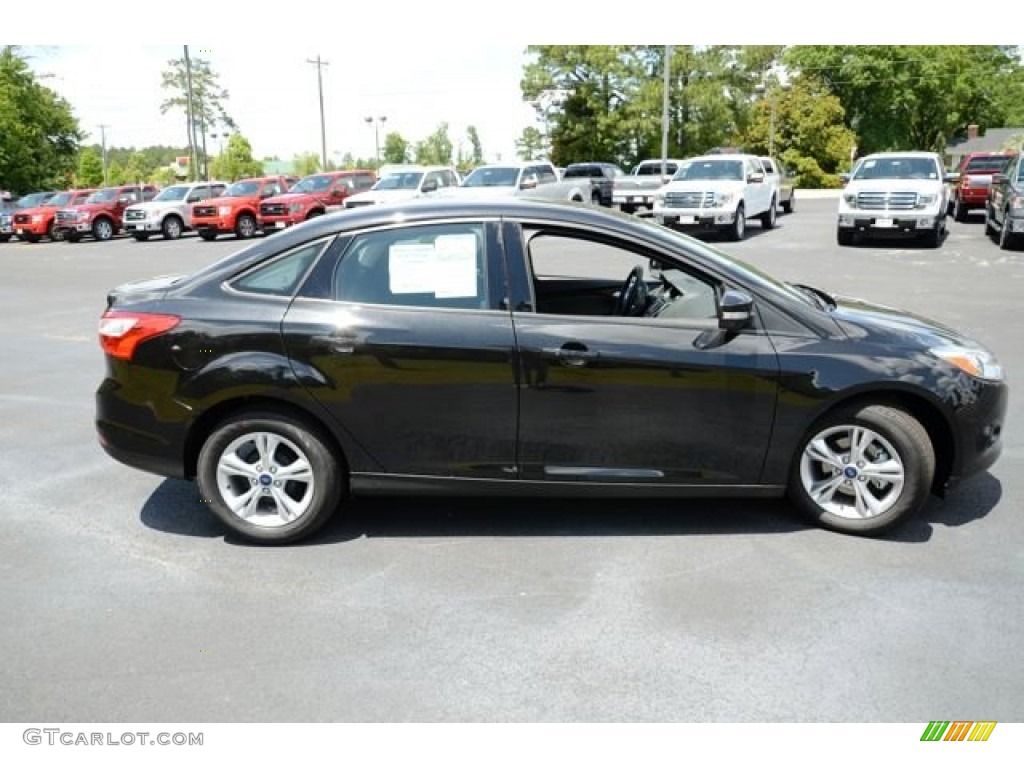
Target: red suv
{"points": [[312, 197], [238, 209], [100, 214]]}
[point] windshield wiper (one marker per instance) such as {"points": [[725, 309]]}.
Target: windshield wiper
{"points": [[822, 299]]}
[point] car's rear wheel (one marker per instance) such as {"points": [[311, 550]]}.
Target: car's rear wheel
{"points": [[245, 227], [845, 236], [959, 210], [863, 469], [738, 228], [1006, 237], [768, 217], [269, 478], [172, 228]]}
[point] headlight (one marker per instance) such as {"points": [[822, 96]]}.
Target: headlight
{"points": [[37, 218], [723, 198], [295, 208], [659, 199], [977, 362], [923, 201], [850, 198], [83, 215], [1017, 204], [224, 210]]}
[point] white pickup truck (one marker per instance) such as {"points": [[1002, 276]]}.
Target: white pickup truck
{"points": [[534, 178], [636, 190], [169, 213], [718, 192]]}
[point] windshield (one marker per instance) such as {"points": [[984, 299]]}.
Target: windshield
{"points": [[897, 168], [243, 189], [31, 201], [992, 163], [172, 193], [400, 181], [313, 184], [654, 169], [492, 177], [729, 170], [59, 200], [103, 196]]}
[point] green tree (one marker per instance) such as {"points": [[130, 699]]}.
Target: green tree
{"points": [[436, 149], [530, 144], [136, 168], [1014, 144], [396, 148], [305, 164], [914, 96], [162, 177], [478, 149], [810, 136], [236, 162], [115, 173], [39, 135], [90, 169], [208, 98]]}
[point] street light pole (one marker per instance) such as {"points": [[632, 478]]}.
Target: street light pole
{"points": [[376, 134], [103, 140], [664, 113], [320, 64]]}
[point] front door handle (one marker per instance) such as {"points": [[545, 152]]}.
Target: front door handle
{"points": [[339, 344], [573, 354]]}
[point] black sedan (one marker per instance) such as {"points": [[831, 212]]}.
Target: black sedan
{"points": [[517, 347]]}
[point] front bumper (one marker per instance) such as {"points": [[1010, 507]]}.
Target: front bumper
{"points": [[84, 227], [978, 424], [695, 218], [1016, 224], [633, 198], [271, 223], [145, 225], [218, 224], [889, 222], [32, 228]]}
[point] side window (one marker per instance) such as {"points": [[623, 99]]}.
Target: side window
{"points": [[439, 266], [281, 276], [365, 181], [132, 193], [198, 194], [218, 190], [576, 275], [149, 193], [271, 188], [768, 167], [545, 175]]}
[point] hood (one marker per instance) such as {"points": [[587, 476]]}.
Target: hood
{"points": [[921, 186], [38, 210], [216, 201], [91, 207], [860, 319], [289, 197], [156, 205], [705, 185]]}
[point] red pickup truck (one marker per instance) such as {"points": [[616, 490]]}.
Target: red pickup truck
{"points": [[237, 210], [33, 224], [312, 197], [100, 214], [970, 191]]}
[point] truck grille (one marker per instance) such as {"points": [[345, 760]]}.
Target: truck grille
{"points": [[272, 209], [21, 218], [689, 199], [134, 214], [67, 217], [887, 201], [204, 210]]}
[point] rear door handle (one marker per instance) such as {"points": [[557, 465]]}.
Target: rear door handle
{"points": [[341, 345], [573, 354]]}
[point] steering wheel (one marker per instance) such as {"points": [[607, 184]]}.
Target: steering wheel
{"points": [[633, 296]]}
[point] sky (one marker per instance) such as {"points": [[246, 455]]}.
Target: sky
{"points": [[417, 64]]}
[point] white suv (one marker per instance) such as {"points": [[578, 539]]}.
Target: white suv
{"points": [[718, 192], [170, 212], [895, 193]]}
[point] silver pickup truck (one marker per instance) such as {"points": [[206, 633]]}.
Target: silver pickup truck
{"points": [[635, 191]]}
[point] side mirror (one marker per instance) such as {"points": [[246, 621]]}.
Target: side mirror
{"points": [[952, 176], [430, 186], [755, 178], [844, 177], [126, 199], [735, 309], [266, 193], [998, 178], [528, 183]]}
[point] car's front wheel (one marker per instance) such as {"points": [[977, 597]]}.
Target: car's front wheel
{"points": [[738, 229], [863, 469], [269, 478]]}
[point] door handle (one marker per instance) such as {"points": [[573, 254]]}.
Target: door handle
{"points": [[573, 354], [342, 345]]}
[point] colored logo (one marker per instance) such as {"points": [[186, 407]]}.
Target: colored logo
{"points": [[965, 730]]}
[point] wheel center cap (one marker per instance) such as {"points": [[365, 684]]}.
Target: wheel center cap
{"points": [[266, 479], [850, 472]]}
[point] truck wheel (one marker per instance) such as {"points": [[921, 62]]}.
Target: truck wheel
{"points": [[172, 228], [626, 208], [768, 217], [738, 229], [1006, 237], [959, 210], [245, 227], [933, 237], [30, 237], [55, 235], [990, 231], [844, 236], [788, 206], [102, 229]]}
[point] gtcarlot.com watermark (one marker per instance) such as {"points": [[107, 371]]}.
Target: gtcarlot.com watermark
{"points": [[54, 736]]}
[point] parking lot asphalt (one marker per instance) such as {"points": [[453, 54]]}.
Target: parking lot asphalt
{"points": [[124, 599]]}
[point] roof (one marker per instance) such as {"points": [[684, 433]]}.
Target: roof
{"points": [[992, 141], [909, 153]]}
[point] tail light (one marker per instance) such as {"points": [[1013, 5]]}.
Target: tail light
{"points": [[122, 332]]}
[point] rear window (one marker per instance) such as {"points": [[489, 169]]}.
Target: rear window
{"points": [[996, 163], [583, 171], [654, 169]]}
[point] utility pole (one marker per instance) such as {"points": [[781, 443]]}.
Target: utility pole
{"points": [[664, 113], [193, 152], [320, 86], [103, 140]]}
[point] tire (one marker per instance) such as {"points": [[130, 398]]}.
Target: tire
{"points": [[933, 237], [245, 226], [959, 210], [990, 231], [53, 233], [768, 217], [141, 236], [30, 237], [233, 474], [5, 238], [845, 236], [172, 227], [207, 235], [829, 483], [312, 215], [1006, 238], [103, 229], [738, 229], [788, 206], [627, 208], [73, 237], [595, 198]]}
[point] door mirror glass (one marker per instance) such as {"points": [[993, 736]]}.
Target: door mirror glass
{"points": [[735, 309]]}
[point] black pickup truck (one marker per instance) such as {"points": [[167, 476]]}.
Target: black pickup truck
{"points": [[602, 177], [1004, 209]]}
